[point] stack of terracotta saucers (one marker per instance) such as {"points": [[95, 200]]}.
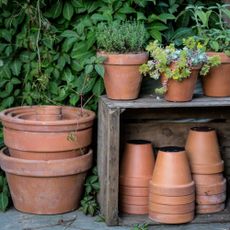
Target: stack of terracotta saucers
{"points": [[135, 173], [207, 167], [172, 190]]}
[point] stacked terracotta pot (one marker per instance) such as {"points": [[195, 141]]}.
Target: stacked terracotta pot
{"points": [[207, 167], [135, 173], [47, 157], [172, 190]]}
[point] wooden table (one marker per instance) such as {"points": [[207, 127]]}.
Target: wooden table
{"points": [[109, 127]]}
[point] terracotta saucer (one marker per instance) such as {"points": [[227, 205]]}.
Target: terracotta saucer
{"points": [[133, 191], [209, 208], [134, 200], [171, 218], [134, 209], [211, 199]]}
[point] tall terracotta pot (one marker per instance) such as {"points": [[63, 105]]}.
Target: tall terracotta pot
{"points": [[203, 151], [122, 78], [47, 132], [45, 187], [217, 81], [181, 91]]}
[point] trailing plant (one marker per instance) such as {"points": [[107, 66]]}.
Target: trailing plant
{"points": [[211, 26], [140, 227], [4, 193], [89, 203], [175, 63], [121, 37]]}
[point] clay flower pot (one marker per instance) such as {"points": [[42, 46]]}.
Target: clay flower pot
{"points": [[134, 200], [122, 77], [134, 209], [203, 179], [45, 187], [137, 164], [51, 139], [209, 208], [203, 151], [217, 81], [171, 218], [134, 191], [211, 199], [181, 91], [166, 179]]}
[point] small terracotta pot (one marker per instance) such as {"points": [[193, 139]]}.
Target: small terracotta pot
{"points": [[40, 187], [134, 200], [134, 191], [211, 199], [203, 150], [134, 209], [137, 163], [211, 189], [202, 179], [217, 81], [171, 218], [181, 91], [166, 180], [122, 77], [171, 200], [172, 209], [209, 208]]}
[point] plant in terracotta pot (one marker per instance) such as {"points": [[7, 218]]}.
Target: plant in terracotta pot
{"points": [[178, 68], [213, 30], [122, 45]]}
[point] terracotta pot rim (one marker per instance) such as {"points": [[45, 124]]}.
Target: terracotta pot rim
{"points": [[208, 168], [4, 116], [202, 129], [209, 208], [136, 182], [138, 142], [222, 183], [45, 168], [172, 149], [211, 199]]}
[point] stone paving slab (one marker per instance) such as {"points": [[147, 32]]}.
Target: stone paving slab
{"points": [[14, 220]]}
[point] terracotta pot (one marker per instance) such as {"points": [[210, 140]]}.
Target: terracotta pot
{"points": [[202, 179], [181, 91], [41, 187], [134, 200], [166, 180], [203, 151], [122, 77], [137, 163], [26, 137], [172, 209], [217, 81], [211, 189], [171, 200], [209, 208], [171, 218], [211, 199], [134, 191], [134, 209]]}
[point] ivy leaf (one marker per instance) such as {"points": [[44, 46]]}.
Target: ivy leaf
{"points": [[100, 70], [69, 34], [74, 98], [68, 11], [55, 10], [98, 87], [4, 201], [88, 69], [16, 67]]}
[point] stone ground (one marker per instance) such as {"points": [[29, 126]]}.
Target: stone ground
{"points": [[14, 220]]}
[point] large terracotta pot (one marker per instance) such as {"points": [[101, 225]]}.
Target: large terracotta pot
{"points": [[166, 179], [45, 187], [122, 77], [137, 164], [217, 81], [181, 91], [29, 136], [203, 151]]}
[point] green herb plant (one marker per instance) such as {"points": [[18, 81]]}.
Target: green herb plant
{"points": [[175, 63], [211, 26], [121, 37], [140, 227]]}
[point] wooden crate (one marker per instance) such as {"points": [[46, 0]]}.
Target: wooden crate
{"points": [[163, 123]]}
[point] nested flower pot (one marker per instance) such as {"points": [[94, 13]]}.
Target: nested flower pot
{"points": [[211, 199], [203, 151], [166, 179], [122, 78], [29, 134], [134, 191], [45, 186], [181, 91], [210, 208], [134, 209], [217, 81]]}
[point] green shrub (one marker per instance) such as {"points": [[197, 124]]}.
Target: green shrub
{"points": [[121, 37]]}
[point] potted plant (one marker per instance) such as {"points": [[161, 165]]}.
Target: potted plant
{"points": [[213, 30], [178, 68], [122, 45]]}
